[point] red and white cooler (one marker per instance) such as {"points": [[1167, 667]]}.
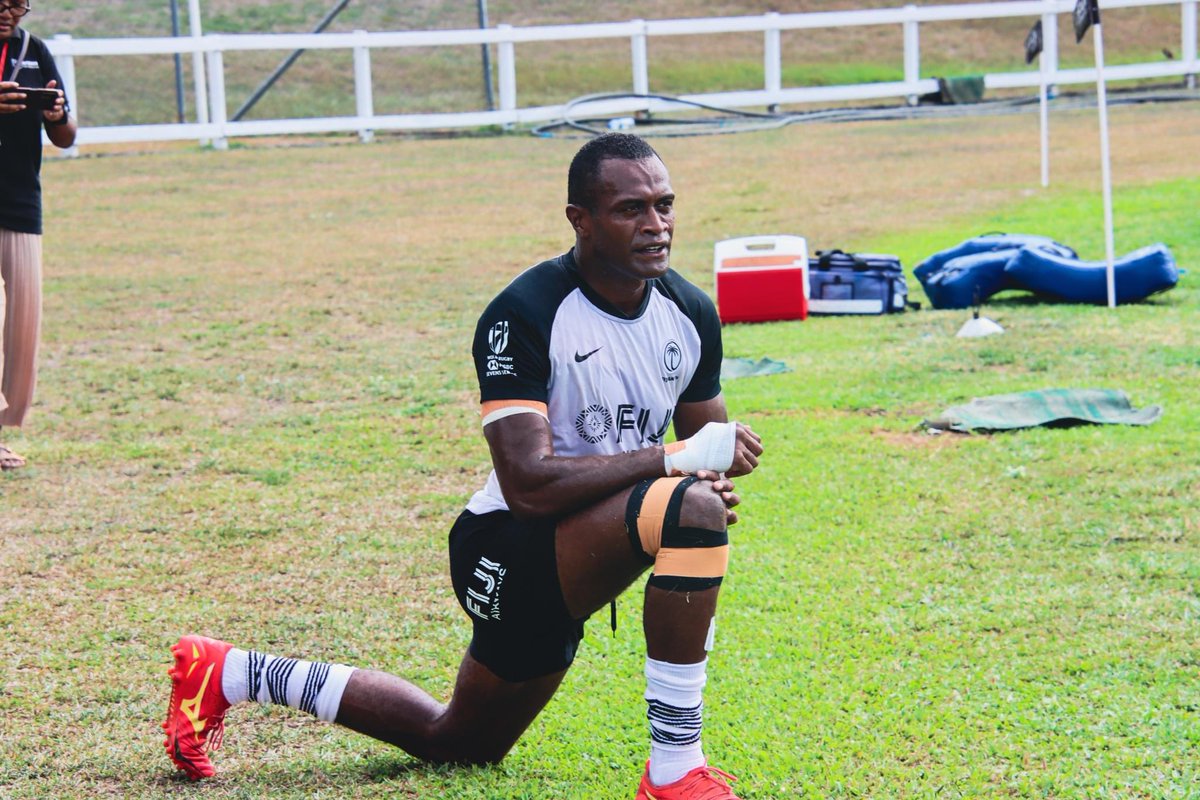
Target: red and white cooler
{"points": [[761, 278]]}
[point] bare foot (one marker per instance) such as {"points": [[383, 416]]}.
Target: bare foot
{"points": [[9, 459]]}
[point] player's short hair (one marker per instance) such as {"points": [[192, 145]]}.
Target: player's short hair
{"points": [[584, 173]]}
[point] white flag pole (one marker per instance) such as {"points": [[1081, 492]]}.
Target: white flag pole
{"points": [[1106, 172], [1044, 113]]}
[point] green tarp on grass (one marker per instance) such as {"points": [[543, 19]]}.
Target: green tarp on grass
{"points": [[746, 367], [1004, 412]]}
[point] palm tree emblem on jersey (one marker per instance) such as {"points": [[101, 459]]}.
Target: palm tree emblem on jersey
{"points": [[672, 356]]}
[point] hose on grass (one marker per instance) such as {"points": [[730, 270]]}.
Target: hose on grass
{"points": [[721, 120]]}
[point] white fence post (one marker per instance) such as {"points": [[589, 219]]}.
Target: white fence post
{"points": [[506, 51], [912, 54], [637, 50], [66, 68], [1049, 24], [364, 98], [1050, 51], [1189, 42], [216, 97], [199, 79], [772, 60]]}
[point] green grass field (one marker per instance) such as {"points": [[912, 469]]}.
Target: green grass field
{"points": [[257, 418]]}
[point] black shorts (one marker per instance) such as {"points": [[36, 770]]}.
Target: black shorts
{"points": [[505, 577]]}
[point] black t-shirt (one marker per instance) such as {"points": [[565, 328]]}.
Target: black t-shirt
{"points": [[21, 139]]}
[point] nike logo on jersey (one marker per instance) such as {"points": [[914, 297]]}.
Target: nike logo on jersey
{"points": [[579, 359]]}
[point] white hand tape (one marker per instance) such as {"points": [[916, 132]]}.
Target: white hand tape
{"points": [[711, 448]]}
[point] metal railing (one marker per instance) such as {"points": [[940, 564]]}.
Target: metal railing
{"points": [[214, 124]]}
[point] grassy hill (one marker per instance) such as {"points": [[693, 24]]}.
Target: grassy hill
{"points": [[417, 81]]}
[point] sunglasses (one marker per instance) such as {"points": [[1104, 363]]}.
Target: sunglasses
{"points": [[14, 9]]}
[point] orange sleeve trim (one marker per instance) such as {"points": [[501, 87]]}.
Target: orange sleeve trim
{"points": [[493, 410]]}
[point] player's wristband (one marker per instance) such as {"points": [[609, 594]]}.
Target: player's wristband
{"points": [[710, 449]]}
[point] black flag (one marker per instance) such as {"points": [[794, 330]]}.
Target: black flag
{"points": [[1087, 14], [1033, 42]]}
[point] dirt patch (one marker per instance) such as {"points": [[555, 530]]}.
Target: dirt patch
{"points": [[917, 438]]}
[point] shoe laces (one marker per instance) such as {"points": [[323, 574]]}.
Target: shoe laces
{"points": [[711, 784], [216, 732]]}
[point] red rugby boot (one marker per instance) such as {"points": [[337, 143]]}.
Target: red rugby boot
{"points": [[196, 717], [702, 783]]}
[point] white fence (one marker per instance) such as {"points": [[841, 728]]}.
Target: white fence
{"points": [[214, 124]]}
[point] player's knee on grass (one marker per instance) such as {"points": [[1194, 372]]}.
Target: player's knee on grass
{"points": [[463, 748], [678, 525], [462, 754], [480, 754]]}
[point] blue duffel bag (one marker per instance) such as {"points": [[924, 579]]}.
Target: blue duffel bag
{"points": [[856, 283]]}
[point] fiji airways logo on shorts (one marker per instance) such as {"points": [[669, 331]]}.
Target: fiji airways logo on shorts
{"points": [[498, 364], [484, 602]]}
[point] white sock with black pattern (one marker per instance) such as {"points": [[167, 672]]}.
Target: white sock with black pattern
{"points": [[674, 707], [310, 686]]}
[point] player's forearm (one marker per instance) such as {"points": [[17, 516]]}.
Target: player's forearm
{"points": [[553, 486]]}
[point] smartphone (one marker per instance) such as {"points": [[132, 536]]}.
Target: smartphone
{"points": [[41, 99]]}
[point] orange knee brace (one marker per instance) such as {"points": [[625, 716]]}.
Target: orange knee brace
{"points": [[685, 559]]}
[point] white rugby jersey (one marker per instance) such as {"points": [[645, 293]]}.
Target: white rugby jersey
{"points": [[607, 383]]}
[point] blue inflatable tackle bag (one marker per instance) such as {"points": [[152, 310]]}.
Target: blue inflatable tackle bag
{"points": [[1136, 275], [969, 280], [974, 270]]}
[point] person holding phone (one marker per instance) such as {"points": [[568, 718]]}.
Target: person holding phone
{"points": [[31, 100]]}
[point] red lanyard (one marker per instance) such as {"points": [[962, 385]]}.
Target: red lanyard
{"points": [[3, 60]]}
